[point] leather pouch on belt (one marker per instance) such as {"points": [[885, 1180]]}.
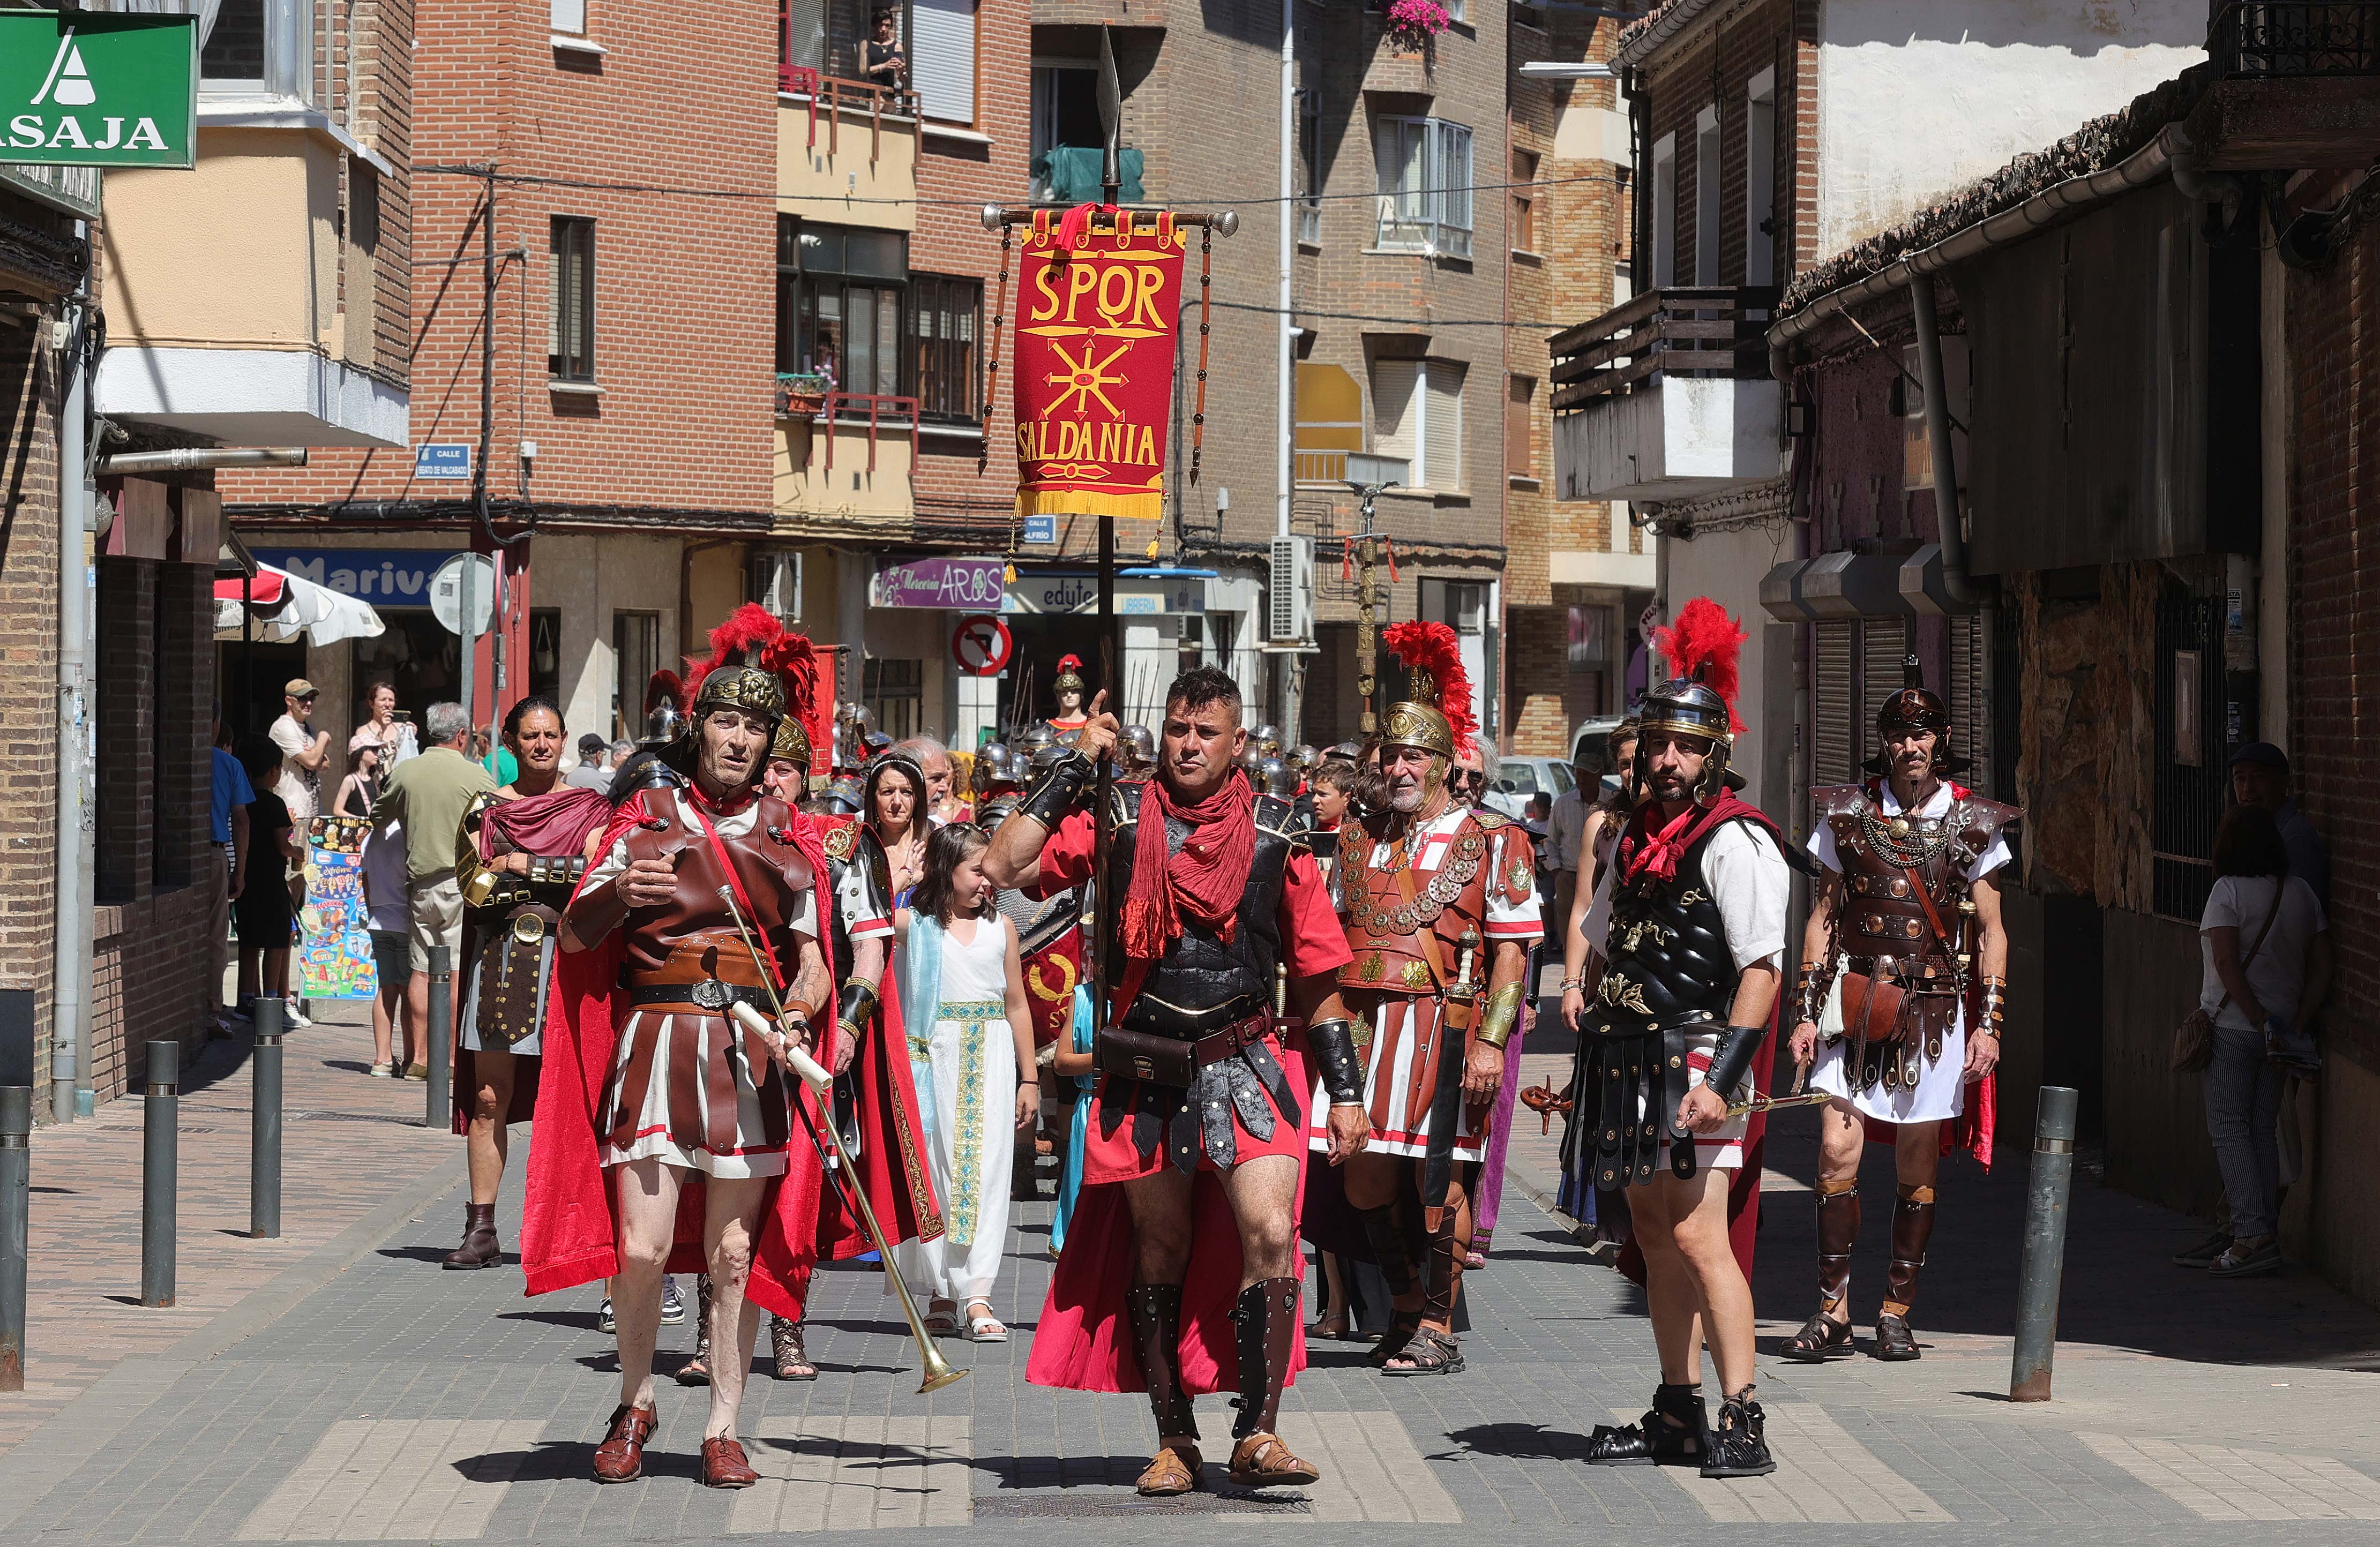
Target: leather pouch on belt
{"points": [[1161, 1060], [1871, 1009]]}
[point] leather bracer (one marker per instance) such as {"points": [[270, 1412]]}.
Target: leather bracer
{"points": [[596, 911], [1731, 1057], [858, 1008], [1332, 1043], [1810, 991], [1060, 793]]}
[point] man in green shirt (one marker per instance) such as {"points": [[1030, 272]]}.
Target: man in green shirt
{"points": [[425, 799]]}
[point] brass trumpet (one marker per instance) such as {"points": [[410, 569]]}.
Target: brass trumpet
{"points": [[938, 1370]]}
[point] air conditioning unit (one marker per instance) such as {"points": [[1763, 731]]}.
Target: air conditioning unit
{"points": [[777, 584], [1289, 614]]}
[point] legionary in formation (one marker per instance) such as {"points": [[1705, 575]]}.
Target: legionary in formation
{"points": [[1690, 915], [1903, 992], [1441, 909], [1182, 1271]]}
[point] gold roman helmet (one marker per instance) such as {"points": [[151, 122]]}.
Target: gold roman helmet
{"points": [[1436, 715]]}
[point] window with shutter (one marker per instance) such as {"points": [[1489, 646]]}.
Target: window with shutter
{"points": [[1396, 410], [1519, 459], [1970, 697], [570, 355], [942, 63], [1441, 426], [1836, 723], [1883, 641]]}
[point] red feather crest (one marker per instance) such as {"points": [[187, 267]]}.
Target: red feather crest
{"points": [[1704, 646], [666, 687], [798, 665], [1432, 648], [753, 635]]}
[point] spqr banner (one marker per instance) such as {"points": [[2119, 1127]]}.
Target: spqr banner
{"points": [[1095, 342]]}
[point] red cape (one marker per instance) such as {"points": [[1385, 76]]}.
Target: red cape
{"points": [[570, 1220], [1084, 1340]]}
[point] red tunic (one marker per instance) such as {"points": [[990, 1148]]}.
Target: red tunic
{"points": [[1084, 1340]]}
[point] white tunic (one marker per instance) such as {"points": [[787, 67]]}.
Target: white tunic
{"points": [[964, 1066]]}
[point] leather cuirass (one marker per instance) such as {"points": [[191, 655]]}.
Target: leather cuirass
{"points": [[1883, 911], [1202, 980], [1384, 923], [1666, 961], [766, 863]]}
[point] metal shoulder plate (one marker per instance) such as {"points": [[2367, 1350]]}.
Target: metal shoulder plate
{"points": [[838, 840], [1839, 800], [1980, 821], [1278, 818], [1489, 819], [1124, 805]]}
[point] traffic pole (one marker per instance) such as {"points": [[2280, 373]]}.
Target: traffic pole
{"points": [[265, 1129], [441, 1108], [161, 1105], [2045, 1244], [16, 1179]]}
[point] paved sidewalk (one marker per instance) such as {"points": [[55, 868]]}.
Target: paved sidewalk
{"points": [[398, 1402], [353, 1149]]}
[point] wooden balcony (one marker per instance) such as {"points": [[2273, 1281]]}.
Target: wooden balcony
{"points": [[2293, 86], [1667, 396]]}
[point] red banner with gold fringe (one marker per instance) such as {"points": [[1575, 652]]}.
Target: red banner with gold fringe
{"points": [[1095, 339]]}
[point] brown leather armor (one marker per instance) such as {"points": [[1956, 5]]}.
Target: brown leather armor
{"points": [[765, 861], [1907, 916], [1382, 923]]}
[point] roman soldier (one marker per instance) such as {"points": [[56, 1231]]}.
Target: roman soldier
{"points": [[1441, 909], [1210, 896], [1903, 992], [1690, 917], [707, 896], [1069, 689]]}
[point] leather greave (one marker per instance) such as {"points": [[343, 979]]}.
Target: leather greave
{"points": [[1442, 1268], [1156, 1311], [1267, 1315], [1913, 1224], [1386, 1231], [1839, 1225]]}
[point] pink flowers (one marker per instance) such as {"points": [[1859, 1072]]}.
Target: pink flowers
{"points": [[1411, 24]]}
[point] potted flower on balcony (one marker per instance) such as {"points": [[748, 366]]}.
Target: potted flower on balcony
{"points": [[1413, 25], [801, 395]]}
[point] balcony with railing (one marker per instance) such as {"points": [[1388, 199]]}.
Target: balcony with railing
{"points": [[846, 134], [1667, 396], [844, 457], [2293, 86]]}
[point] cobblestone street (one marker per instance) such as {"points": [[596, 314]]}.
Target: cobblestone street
{"points": [[334, 1386]]}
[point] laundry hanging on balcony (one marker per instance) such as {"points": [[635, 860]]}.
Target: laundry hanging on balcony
{"points": [[1098, 295]]}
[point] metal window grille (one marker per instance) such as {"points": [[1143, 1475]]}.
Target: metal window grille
{"points": [[1837, 726], [2190, 774], [1883, 642], [2276, 39], [571, 352], [1970, 700]]}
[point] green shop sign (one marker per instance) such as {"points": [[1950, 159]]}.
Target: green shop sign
{"points": [[98, 89]]}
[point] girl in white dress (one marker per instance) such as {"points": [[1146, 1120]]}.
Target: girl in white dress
{"points": [[963, 1000]]}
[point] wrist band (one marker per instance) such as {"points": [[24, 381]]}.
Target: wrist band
{"points": [[1569, 983]]}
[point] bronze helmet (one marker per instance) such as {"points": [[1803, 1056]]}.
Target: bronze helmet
{"points": [[1915, 707], [1688, 707]]}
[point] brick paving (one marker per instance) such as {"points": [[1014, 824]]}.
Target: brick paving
{"points": [[397, 1401]]}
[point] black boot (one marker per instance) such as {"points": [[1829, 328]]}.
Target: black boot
{"points": [[1671, 1435], [1739, 1443], [480, 1248], [1913, 1226], [1267, 1314]]}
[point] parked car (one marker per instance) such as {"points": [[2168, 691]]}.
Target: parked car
{"points": [[1516, 778], [1589, 740]]}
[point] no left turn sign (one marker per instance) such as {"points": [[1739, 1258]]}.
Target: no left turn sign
{"points": [[982, 645]]}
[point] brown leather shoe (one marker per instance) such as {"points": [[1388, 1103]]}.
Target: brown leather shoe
{"points": [[1262, 1461], [724, 1465], [1173, 1470], [621, 1456], [480, 1248]]}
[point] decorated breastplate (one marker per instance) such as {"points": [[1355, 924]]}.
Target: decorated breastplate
{"points": [[1666, 960], [1385, 915], [1894, 866], [762, 855]]}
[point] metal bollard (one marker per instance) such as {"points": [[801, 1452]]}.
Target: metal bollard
{"points": [[16, 1177], [265, 1129], [2045, 1244], [161, 1106], [440, 1095]]}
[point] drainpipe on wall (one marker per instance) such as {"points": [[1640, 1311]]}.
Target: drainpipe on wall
{"points": [[1961, 586], [70, 1090]]}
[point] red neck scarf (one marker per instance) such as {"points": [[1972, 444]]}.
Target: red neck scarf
{"points": [[1203, 881], [1659, 850]]}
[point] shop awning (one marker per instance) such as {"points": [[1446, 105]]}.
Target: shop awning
{"points": [[285, 607]]}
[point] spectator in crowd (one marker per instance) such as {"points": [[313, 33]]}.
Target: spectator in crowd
{"points": [[265, 909], [389, 916], [2267, 965], [390, 726], [892, 804], [942, 805], [229, 795], [592, 772], [361, 787], [2260, 776], [622, 750], [427, 796], [304, 752], [1565, 829], [882, 62]]}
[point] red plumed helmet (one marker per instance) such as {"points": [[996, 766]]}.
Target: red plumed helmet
{"points": [[733, 672], [1438, 717], [1703, 647]]}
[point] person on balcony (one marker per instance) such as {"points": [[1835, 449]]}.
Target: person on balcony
{"points": [[882, 61]]}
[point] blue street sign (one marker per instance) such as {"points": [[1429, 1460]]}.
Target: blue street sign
{"points": [[443, 459], [1040, 528]]}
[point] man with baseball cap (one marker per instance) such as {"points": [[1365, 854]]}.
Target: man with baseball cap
{"points": [[2260, 776], [304, 751]]}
